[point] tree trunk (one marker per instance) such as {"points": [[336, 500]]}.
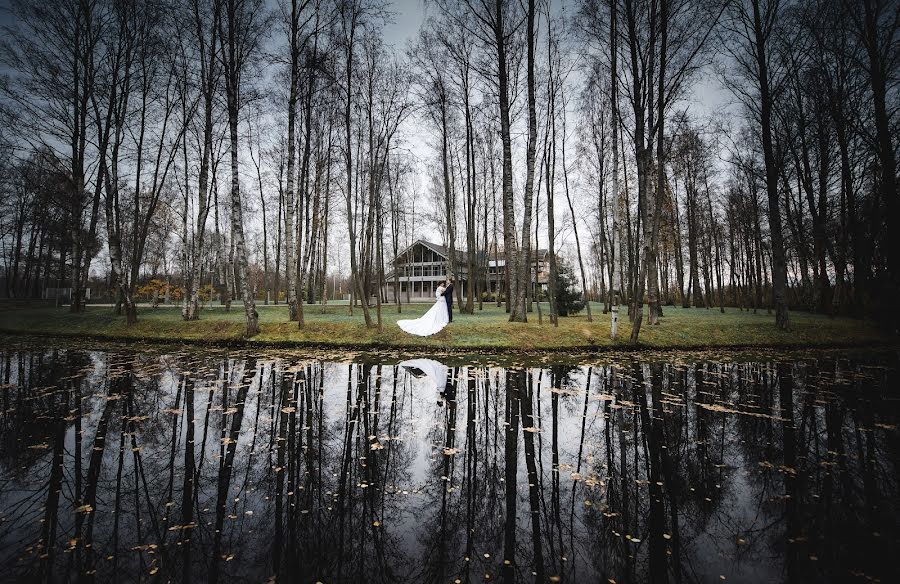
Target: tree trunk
{"points": [[653, 301], [232, 90], [267, 284], [519, 312], [208, 75], [616, 259], [779, 266], [679, 252], [515, 296], [584, 286], [449, 203], [471, 197], [878, 75], [357, 284], [279, 222], [290, 262], [395, 233], [641, 71], [551, 182]]}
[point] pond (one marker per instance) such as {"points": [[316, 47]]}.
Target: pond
{"points": [[170, 464]]}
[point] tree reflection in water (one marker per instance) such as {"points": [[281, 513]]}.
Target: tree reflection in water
{"points": [[210, 467]]}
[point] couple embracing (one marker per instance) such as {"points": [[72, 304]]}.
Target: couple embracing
{"points": [[437, 316]]}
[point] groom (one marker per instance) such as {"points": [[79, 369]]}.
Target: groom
{"points": [[448, 296]]}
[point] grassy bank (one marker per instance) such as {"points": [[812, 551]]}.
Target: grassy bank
{"points": [[488, 329]]}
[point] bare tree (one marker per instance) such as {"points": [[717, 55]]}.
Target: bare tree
{"points": [[461, 53], [352, 16], [431, 55], [877, 27], [240, 28], [518, 312], [749, 33], [204, 16], [157, 135], [54, 50], [494, 27], [296, 19]]}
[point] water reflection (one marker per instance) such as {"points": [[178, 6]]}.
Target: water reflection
{"points": [[119, 465]]}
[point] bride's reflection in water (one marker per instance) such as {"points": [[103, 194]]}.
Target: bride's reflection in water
{"points": [[214, 467]]}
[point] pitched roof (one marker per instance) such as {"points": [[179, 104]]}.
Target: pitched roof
{"points": [[441, 250], [444, 251]]}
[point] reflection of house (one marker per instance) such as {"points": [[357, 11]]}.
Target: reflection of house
{"points": [[422, 267]]}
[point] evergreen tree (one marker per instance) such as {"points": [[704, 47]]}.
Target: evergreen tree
{"points": [[570, 300]]}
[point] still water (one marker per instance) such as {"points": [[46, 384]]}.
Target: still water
{"points": [[121, 464]]}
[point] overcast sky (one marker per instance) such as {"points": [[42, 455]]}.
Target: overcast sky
{"points": [[408, 16]]}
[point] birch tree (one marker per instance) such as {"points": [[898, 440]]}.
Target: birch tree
{"points": [[240, 28]]}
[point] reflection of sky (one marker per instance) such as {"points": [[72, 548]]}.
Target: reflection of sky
{"points": [[720, 422]]}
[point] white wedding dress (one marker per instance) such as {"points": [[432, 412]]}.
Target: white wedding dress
{"points": [[432, 321]]}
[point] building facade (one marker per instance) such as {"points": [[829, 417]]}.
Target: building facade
{"points": [[423, 266]]}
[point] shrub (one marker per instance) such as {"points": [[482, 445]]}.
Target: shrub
{"points": [[154, 291], [488, 297]]}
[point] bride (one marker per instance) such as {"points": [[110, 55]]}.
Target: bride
{"points": [[432, 321]]}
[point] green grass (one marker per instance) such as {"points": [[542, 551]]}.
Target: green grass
{"points": [[690, 328]]}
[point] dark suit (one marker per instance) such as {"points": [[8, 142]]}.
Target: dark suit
{"points": [[448, 296]]}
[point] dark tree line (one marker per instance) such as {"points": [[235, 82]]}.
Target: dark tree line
{"points": [[789, 205]]}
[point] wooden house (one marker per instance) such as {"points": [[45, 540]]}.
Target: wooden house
{"points": [[423, 266]]}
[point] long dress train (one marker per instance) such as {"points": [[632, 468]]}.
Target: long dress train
{"points": [[432, 321]]}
